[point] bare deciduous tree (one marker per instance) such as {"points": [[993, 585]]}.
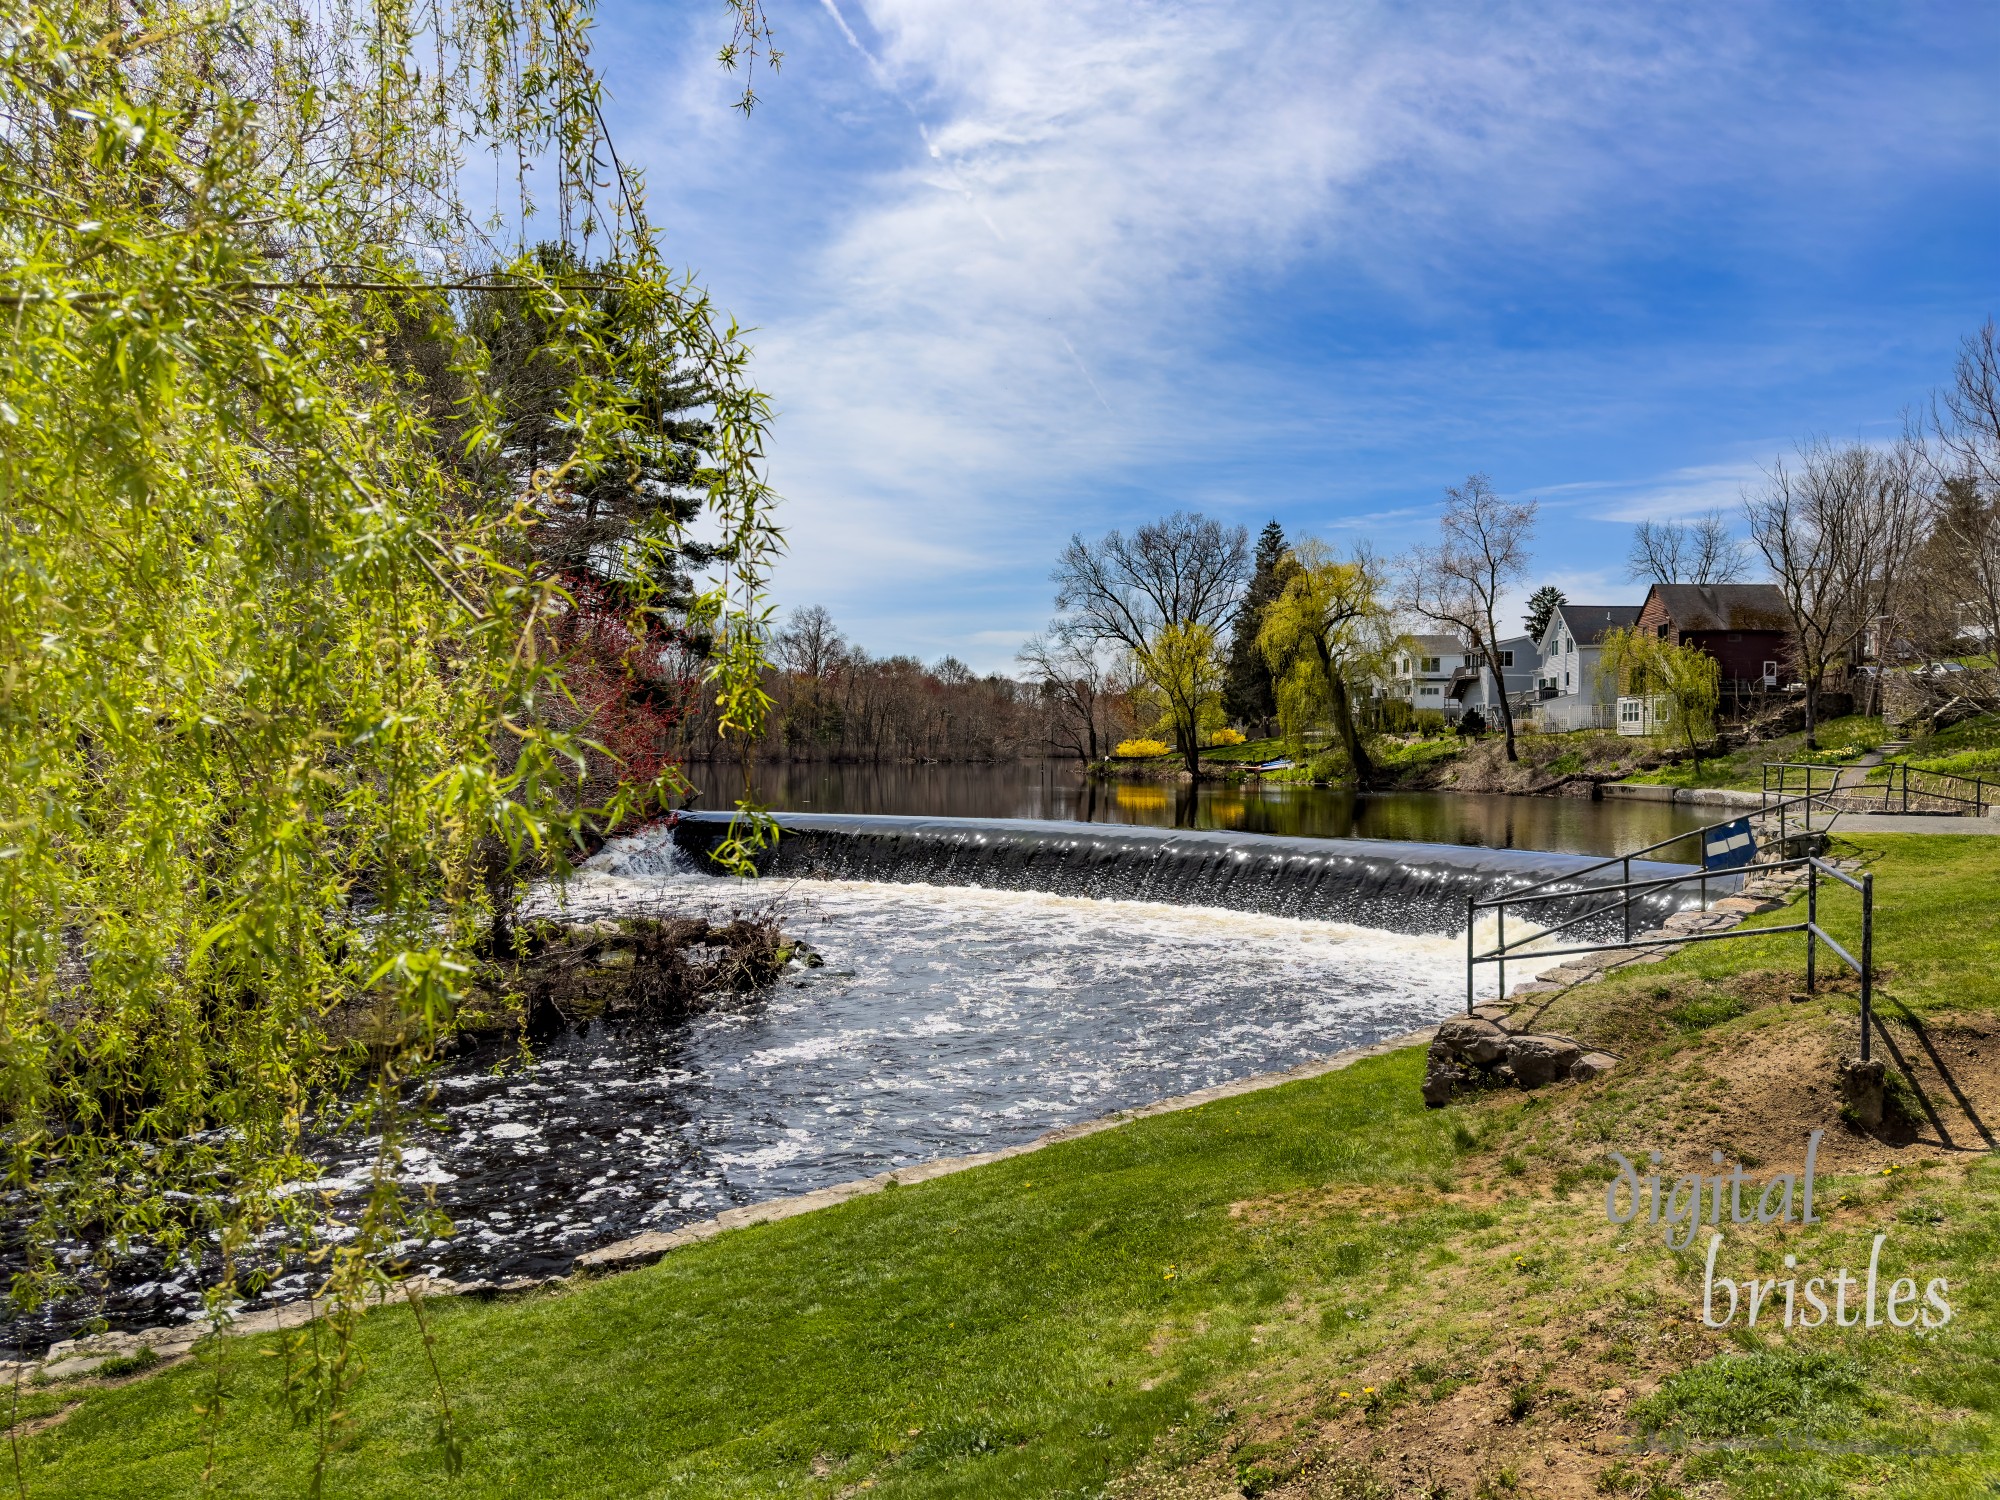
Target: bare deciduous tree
{"points": [[1966, 414], [1482, 550], [1175, 580], [1083, 692], [1698, 551], [810, 652], [1834, 526], [1901, 507], [1954, 604]]}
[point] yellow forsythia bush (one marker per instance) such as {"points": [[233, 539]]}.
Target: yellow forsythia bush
{"points": [[1227, 737], [1137, 748]]}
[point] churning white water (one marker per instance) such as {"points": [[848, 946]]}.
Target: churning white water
{"points": [[946, 1020]]}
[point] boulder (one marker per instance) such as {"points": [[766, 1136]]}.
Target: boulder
{"points": [[1539, 1060], [1862, 1086], [1472, 1038], [1592, 1065], [1459, 1030], [1474, 1052], [1440, 1083]]}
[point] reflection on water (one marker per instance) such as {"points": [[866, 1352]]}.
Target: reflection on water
{"points": [[1054, 789]]}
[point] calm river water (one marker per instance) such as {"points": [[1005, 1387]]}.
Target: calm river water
{"points": [[1055, 789]]}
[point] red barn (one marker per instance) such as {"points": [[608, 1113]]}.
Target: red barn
{"points": [[1744, 626]]}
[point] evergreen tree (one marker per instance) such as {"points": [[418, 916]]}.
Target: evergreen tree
{"points": [[1542, 609], [1249, 694]]}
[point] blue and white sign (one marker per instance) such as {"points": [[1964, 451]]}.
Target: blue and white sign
{"points": [[1728, 846]]}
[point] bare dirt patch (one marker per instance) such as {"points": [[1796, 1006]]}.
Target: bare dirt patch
{"points": [[1507, 1362]]}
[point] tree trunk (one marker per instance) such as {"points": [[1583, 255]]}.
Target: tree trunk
{"points": [[1812, 710], [1500, 687], [1350, 736]]}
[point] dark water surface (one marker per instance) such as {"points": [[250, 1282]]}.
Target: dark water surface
{"points": [[1055, 789]]}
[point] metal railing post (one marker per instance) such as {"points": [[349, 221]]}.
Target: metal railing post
{"points": [[1812, 922], [1500, 949], [1906, 786], [1470, 913], [1627, 893], [1867, 960]]}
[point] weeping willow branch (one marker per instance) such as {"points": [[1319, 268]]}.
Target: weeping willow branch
{"points": [[281, 729]]}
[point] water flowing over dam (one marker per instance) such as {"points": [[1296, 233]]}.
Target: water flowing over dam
{"points": [[1410, 888], [984, 980]]}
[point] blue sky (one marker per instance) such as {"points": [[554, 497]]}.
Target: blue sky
{"points": [[1022, 267]]}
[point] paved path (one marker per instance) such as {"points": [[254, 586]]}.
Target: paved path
{"points": [[1867, 822], [1853, 823]]}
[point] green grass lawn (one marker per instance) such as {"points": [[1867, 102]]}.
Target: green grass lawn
{"points": [[1936, 938], [1841, 742], [1274, 1294], [1968, 749], [993, 1333]]}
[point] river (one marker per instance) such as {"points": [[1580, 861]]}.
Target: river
{"points": [[1057, 789], [947, 1019]]}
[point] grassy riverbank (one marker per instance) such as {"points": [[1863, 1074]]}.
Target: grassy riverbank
{"points": [[1556, 762], [1841, 742], [1317, 1290]]}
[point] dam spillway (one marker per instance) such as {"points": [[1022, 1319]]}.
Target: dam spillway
{"points": [[1412, 888], [968, 1001]]}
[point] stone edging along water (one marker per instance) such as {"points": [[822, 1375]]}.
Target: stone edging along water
{"points": [[644, 1248]]}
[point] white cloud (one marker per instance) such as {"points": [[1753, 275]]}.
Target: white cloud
{"points": [[1673, 496], [1000, 268]]}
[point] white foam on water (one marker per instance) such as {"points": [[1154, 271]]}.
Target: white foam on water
{"points": [[946, 1020]]}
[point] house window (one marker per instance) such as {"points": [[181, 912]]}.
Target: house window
{"points": [[1565, 679], [1430, 665], [1506, 658], [1428, 692], [1661, 631], [1770, 674]]}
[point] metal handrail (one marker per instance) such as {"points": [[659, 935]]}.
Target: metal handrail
{"points": [[1627, 858], [1864, 966], [1978, 801]]}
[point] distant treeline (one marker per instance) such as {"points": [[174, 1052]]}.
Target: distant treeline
{"points": [[831, 700]]}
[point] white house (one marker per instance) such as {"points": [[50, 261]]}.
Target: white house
{"points": [[1421, 672], [1520, 669], [1570, 692], [1441, 672]]}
